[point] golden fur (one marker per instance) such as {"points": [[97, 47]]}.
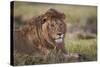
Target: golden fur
{"points": [[38, 35]]}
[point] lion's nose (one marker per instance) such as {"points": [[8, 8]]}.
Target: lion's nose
{"points": [[59, 33]]}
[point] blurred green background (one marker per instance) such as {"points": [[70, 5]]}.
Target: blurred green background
{"points": [[81, 21]]}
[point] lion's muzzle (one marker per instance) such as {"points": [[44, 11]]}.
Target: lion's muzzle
{"points": [[59, 38]]}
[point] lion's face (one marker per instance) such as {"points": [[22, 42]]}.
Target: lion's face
{"points": [[55, 27]]}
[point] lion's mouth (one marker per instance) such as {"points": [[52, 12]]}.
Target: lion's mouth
{"points": [[59, 39]]}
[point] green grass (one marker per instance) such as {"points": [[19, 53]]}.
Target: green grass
{"points": [[86, 47]]}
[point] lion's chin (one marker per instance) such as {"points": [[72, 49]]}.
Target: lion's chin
{"points": [[59, 40]]}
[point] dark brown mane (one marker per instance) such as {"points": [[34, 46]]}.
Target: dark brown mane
{"points": [[54, 13]]}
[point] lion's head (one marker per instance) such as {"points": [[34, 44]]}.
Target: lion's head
{"points": [[53, 26]]}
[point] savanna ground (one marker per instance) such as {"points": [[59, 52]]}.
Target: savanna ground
{"points": [[81, 36]]}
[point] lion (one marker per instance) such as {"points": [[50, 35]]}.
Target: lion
{"points": [[41, 34]]}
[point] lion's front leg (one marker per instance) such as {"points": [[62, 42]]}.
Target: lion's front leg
{"points": [[43, 50]]}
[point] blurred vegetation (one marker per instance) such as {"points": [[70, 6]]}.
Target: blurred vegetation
{"points": [[81, 36], [74, 13]]}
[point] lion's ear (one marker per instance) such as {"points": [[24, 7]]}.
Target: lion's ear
{"points": [[44, 19]]}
